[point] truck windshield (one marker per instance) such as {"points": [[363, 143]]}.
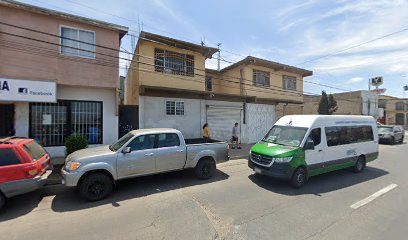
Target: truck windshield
{"points": [[116, 146], [285, 135]]}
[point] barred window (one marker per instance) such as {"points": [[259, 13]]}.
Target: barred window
{"points": [[289, 82], [261, 78], [173, 63], [174, 108], [51, 123]]}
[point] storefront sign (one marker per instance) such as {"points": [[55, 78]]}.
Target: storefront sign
{"points": [[27, 90]]}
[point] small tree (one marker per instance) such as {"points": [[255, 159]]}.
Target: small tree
{"points": [[323, 105], [332, 104], [74, 143]]}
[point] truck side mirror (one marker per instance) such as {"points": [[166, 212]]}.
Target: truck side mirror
{"points": [[309, 145], [126, 150]]}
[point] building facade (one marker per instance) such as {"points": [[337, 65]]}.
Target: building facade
{"points": [[395, 110], [170, 84], [62, 73], [349, 103]]}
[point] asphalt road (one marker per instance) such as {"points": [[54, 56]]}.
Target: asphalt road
{"points": [[235, 204]]}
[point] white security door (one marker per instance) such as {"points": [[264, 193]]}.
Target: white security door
{"points": [[260, 119], [221, 120]]}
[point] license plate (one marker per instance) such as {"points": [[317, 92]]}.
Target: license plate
{"points": [[257, 170]]}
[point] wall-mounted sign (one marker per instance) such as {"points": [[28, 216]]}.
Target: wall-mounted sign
{"points": [[27, 90]]}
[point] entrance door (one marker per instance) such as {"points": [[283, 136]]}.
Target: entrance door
{"points": [[6, 120], [315, 158]]}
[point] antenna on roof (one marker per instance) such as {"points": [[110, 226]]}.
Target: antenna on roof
{"points": [[219, 57], [203, 41]]}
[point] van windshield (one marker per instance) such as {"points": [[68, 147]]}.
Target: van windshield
{"points": [[285, 135]]}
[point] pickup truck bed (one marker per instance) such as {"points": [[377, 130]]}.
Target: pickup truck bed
{"points": [[191, 141]]}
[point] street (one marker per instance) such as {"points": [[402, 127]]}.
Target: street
{"points": [[235, 204]]}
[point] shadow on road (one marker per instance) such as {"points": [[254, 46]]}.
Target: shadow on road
{"points": [[319, 184], [70, 200], [24, 204]]}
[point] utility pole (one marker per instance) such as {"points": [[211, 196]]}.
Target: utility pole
{"points": [[219, 57]]}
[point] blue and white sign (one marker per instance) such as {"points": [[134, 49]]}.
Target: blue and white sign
{"points": [[15, 90]]}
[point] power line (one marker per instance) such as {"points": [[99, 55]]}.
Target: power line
{"points": [[116, 50], [354, 46]]}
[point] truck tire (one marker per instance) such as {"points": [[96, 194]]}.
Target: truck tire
{"points": [[205, 168], [2, 200], [392, 141], [95, 187], [360, 165], [299, 178]]}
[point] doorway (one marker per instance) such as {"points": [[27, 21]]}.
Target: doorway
{"points": [[6, 120]]}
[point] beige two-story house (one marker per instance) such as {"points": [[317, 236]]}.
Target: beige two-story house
{"points": [[59, 74], [170, 84]]}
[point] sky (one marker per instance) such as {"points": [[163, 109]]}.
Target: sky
{"points": [[344, 42]]}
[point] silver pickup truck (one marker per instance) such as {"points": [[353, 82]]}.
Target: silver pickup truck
{"points": [[140, 152]]}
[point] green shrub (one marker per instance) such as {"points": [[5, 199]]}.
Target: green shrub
{"points": [[74, 143]]}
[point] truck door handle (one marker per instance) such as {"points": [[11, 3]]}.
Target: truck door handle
{"points": [[180, 150], [149, 154], [320, 150]]}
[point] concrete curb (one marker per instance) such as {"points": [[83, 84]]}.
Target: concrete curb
{"points": [[239, 157]]}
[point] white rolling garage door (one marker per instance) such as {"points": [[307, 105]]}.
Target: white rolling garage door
{"points": [[221, 120]]}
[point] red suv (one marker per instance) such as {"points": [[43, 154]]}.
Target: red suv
{"points": [[23, 167]]}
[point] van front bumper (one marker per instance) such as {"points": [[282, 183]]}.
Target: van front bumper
{"points": [[277, 170]]}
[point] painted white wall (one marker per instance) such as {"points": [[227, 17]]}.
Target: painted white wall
{"points": [[260, 119], [153, 115], [371, 97], [21, 118]]}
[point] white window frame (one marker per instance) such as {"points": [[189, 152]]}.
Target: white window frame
{"points": [[256, 73], [285, 85], [175, 107], [81, 29]]}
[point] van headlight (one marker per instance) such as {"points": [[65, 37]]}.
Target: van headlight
{"points": [[72, 166], [282, 160]]}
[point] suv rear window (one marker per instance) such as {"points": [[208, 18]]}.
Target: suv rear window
{"points": [[8, 157], [35, 150]]}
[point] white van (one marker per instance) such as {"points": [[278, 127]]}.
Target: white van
{"points": [[302, 146]]}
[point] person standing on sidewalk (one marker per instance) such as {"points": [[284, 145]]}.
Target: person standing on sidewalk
{"points": [[206, 131], [235, 143]]}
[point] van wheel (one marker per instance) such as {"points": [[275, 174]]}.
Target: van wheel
{"points": [[205, 168], [95, 187], [2, 200], [360, 165], [299, 178]]}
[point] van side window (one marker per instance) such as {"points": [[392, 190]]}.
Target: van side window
{"points": [[348, 134], [316, 136]]}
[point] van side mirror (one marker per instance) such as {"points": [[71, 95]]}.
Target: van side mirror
{"points": [[126, 150], [309, 145]]}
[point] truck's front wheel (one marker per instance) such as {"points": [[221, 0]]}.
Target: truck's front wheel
{"points": [[205, 168], [95, 186], [2, 200]]}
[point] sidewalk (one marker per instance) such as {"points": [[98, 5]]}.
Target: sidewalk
{"points": [[240, 153]]}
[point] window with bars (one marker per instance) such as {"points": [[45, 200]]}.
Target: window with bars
{"points": [[51, 123], [175, 108], [289, 82], [77, 42], [399, 106], [261, 78], [173, 63]]}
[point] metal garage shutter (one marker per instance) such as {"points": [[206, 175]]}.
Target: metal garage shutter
{"points": [[221, 121]]}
